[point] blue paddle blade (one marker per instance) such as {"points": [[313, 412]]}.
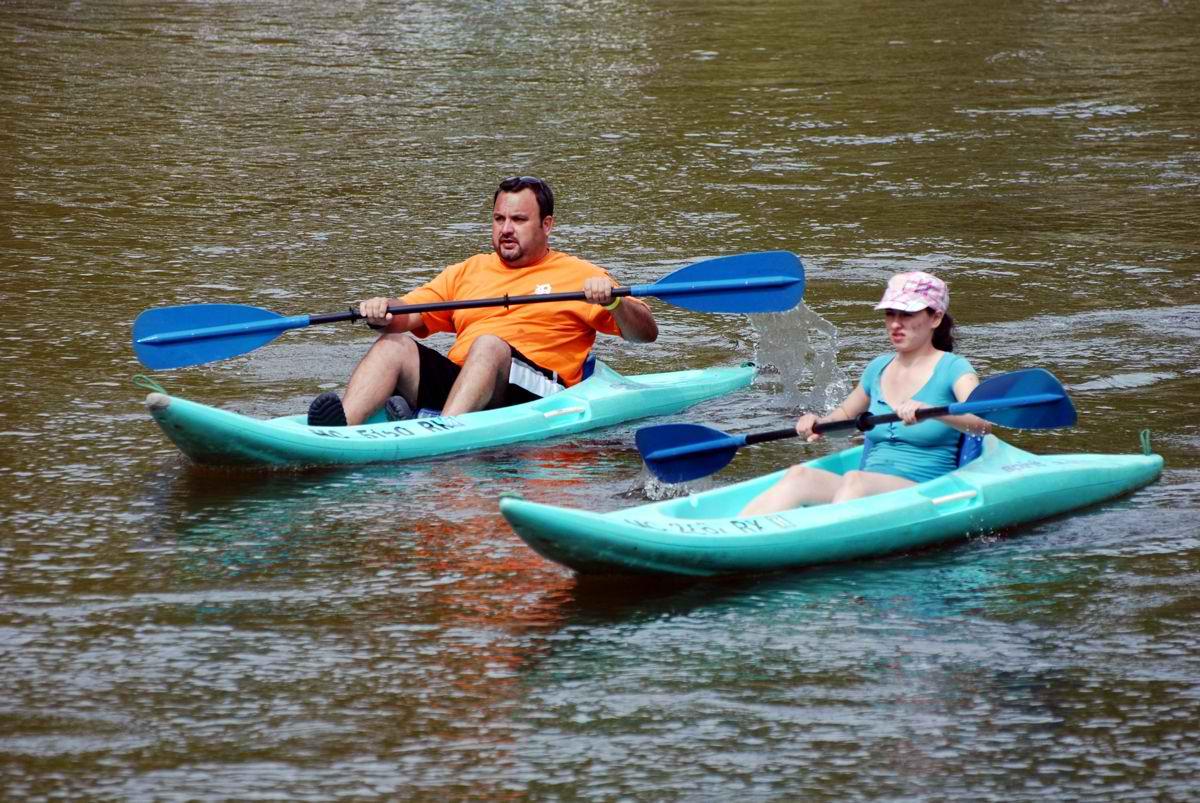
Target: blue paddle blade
{"points": [[174, 337], [767, 281], [1055, 411], [681, 452]]}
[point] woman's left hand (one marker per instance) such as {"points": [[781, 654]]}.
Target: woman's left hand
{"points": [[908, 410]]}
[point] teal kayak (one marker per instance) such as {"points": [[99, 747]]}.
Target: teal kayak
{"points": [[220, 437], [702, 534]]}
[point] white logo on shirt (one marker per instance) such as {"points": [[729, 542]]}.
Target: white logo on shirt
{"points": [[542, 290]]}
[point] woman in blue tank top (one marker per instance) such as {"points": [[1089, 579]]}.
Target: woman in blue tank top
{"points": [[922, 372]]}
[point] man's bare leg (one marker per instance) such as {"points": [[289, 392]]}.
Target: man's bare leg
{"points": [[391, 365], [483, 377]]}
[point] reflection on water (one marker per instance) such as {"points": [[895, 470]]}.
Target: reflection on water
{"points": [[902, 666], [172, 632]]}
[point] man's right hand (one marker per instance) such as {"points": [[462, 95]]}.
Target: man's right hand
{"points": [[375, 311]]}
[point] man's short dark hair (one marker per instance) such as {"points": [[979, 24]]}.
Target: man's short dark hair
{"points": [[541, 190]]}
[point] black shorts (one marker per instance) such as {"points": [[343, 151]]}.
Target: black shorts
{"points": [[527, 380]]}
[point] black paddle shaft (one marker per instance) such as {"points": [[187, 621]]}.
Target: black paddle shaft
{"points": [[434, 306], [861, 422]]}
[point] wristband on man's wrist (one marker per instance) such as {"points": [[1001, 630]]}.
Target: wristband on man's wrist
{"points": [[616, 302]]}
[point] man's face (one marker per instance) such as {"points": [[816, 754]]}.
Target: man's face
{"points": [[519, 235]]}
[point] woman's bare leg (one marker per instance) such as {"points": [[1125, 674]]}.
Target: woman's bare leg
{"points": [[857, 484], [813, 486], [800, 485]]}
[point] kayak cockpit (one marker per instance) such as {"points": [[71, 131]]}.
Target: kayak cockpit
{"points": [[728, 501]]}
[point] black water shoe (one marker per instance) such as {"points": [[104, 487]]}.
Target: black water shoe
{"points": [[397, 408], [326, 411]]}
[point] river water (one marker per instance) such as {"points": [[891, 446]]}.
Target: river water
{"points": [[170, 632]]}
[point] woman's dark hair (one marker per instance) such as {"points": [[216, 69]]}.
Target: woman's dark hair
{"points": [[943, 336], [541, 190]]}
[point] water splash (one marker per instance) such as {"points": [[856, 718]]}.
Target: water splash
{"points": [[801, 348], [647, 487]]}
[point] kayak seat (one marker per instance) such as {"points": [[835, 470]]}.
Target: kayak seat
{"points": [[969, 447]]}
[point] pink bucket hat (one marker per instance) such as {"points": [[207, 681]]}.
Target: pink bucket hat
{"points": [[911, 292]]}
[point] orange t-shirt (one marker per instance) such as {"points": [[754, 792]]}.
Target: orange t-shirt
{"points": [[556, 335]]}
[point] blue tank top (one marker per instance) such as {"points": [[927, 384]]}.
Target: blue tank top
{"points": [[924, 450]]}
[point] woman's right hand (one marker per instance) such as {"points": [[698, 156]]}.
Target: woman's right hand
{"points": [[804, 427]]}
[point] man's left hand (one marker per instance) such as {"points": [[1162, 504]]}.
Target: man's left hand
{"points": [[598, 290]]}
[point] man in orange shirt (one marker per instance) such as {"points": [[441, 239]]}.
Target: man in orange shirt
{"points": [[501, 355]]}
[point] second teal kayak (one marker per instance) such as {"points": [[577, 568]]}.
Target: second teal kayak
{"points": [[703, 534], [212, 436]]}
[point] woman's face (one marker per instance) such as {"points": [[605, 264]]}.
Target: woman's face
{"points": [[911, 330]]}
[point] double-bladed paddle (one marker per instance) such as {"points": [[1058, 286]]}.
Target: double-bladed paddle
{"points": [[1028, 399], [174, 337]]}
